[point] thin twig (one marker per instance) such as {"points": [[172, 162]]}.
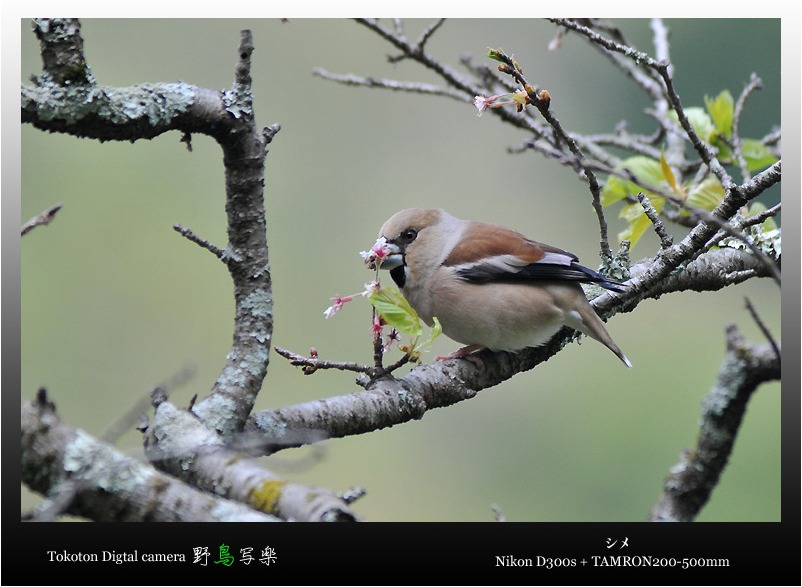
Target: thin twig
{"points": [[666, 240], [649, 84], [399, 363], [312, 364], [428, 32], [674, 147], [378, 346], [755, 83], [398, 25], [772, 138], [761, 217], [389, 84], [763, 328], [704, 151], [543, 107], [189, 235], [637, 144]]}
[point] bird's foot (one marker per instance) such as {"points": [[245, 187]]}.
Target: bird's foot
{"points": [[467, 354]]}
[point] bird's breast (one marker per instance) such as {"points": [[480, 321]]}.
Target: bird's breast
{"points": [[498, 316]]}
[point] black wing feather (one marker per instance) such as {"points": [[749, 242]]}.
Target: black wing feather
{"points": [[539, 272]]}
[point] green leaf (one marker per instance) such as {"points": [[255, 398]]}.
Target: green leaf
{"points": [[721, 111], [637, 226], [495, 54], [706, 195], [436, 331], [615, 189], [757, 154], [700, 121], [396, 311], [644, 169]]}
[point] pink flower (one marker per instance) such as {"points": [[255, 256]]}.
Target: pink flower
{"points": [[339, 301], [483, 103], [377, 252], [337, 306], [518, 98]]}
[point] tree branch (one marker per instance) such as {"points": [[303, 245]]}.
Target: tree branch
{"points": [[692, 480], [666, 240], [86, 477], [763, 328], [182, 445], [389, 84], [460, 84], [244, 151], [81, 108], [629, 64], [203, 243], [62, 50], [754, 84]]}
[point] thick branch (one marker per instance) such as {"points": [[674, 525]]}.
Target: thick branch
{"points": [[142, 111], [84, 476], [244, 151], [62, 50], [181, 445], [710, 271], [692, 480]]}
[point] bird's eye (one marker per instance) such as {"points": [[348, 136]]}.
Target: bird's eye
{"points": [[409, 235]]}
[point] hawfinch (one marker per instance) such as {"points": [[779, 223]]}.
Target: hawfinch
{"points": [[489, 286]]}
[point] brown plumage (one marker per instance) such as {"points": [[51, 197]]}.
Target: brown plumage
{"points": [[490, 286]]}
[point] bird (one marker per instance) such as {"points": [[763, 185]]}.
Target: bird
{"points": [[489, 286]]}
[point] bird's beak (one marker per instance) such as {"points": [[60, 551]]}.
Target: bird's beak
{"points": [[394, 259]]}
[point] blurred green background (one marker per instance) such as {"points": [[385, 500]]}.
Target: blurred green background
{"points": [[114, 302]]}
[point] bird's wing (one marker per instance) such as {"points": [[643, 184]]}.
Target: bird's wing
{"points": [[489, 253]]}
